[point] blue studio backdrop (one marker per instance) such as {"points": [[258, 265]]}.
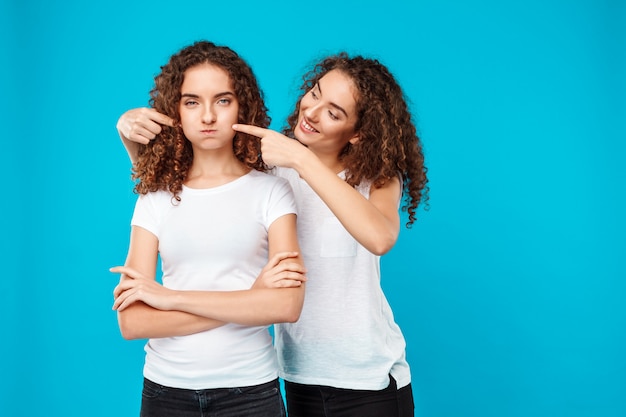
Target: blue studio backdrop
{"points": [[509, 290]]}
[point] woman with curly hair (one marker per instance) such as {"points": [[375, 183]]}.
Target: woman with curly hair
{"points": [[215, 218], [356, 154]]}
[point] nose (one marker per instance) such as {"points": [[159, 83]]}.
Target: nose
{"points": [[208, 116], [312, 112]]}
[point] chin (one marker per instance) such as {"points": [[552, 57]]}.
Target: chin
{"points": [[299, 137]]}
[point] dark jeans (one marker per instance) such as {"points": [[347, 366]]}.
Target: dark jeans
{"points": [[262, 400], [322, 401]]}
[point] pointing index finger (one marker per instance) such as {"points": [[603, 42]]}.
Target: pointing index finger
{"points": [[163, 119], [250, 129]]}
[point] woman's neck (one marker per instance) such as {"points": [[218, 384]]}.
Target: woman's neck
{"points": [[331, 161], [210, 170]]}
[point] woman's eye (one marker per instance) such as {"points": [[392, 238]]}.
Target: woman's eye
{"points": [[332, 116], [224, 101], [190, 103], [313, 94]]}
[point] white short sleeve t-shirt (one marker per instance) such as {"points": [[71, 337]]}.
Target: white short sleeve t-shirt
{"points": [[214, 239], [346, 336]]}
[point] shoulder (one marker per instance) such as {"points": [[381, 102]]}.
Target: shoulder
{"points": [[267, 179], [271, 190], [160, 195], [289, 174], [392, 188], [156, 198], [283, 172]]}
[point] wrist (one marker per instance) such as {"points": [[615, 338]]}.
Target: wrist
{"points": [[302, 160], [175, 301]]}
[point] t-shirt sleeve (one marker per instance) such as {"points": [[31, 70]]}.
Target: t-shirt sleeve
{"points": [[145, 214], [281, 201]]}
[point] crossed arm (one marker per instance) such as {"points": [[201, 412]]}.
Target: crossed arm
{"points": [[146, 309]]}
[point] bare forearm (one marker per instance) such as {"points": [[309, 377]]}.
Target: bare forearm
{"points": [[254, 307], [140, 321], [374, 223], [373, 229], [132, 148]]}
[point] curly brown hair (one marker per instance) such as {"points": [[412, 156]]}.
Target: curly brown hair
{"points": [[388, 143], [163, 164]]}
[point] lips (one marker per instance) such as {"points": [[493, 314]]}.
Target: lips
{"points": [[305, 126]]}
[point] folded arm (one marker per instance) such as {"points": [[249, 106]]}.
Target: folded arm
{"points": [[256, 306], [140, 321]]}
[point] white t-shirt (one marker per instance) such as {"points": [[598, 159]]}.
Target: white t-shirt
{"points": [[346, 336], [215, 239]]}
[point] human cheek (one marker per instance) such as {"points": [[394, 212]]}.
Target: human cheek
{"points": [[186, 123], [305, 102], [230, 117]]}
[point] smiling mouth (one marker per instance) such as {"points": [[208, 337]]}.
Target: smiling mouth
{"points": [[307, 127]]}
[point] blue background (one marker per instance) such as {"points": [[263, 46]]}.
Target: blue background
{"points": [[509, 289]]}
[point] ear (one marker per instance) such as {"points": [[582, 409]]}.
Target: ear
{"points": [[354, 139]]}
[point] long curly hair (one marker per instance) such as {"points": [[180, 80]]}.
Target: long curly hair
{"points": [[388, 143], [163, 164]]}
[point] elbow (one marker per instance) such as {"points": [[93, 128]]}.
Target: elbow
{"points": [[380, 250], [380, 240], [293, 315], [129, 334], [127, 329], [382, 245], [290, 313]]}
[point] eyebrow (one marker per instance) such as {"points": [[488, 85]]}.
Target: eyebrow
{"points": [[338, 107], [218, 95]]}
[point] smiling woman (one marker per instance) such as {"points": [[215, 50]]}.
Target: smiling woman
{"points": [[346, 354], [328, 115]]}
